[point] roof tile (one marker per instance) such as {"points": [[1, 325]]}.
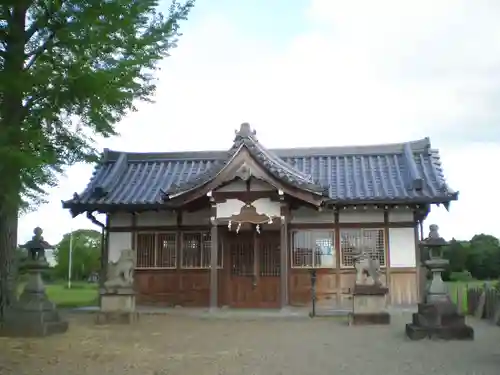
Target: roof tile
{"points": [[408, 172]]}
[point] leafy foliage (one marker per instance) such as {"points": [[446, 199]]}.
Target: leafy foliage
{"points": [[86, 254], [69, 70], [480, 257]]}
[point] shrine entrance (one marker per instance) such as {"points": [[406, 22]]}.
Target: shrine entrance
{"points": [[253, 271]]}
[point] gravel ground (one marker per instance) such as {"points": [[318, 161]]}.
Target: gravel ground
{"points": [[174, 345]]}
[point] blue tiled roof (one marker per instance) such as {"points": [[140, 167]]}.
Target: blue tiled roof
{"points": [[405, 172]]}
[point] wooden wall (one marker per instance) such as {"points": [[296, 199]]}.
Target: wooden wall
{"points": [[190, 287], [182, 287]]}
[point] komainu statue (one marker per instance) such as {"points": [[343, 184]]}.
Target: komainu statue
{"points": [[121, 273], [367, 268]]}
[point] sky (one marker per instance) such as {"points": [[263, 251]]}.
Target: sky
{"points": [[326, 73]]}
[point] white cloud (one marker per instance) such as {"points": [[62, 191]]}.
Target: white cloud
{"points": [[365, 72]]}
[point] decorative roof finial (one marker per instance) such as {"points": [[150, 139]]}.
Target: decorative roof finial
{"points": [[245, 131]]}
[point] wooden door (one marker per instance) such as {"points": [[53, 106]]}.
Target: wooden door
{"points": [[254, 269]]}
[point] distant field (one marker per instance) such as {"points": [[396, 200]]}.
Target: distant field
{"points": [[81, 294]]}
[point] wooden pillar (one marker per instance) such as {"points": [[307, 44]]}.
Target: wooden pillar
{"points": [[387, 256], [336, 246], [104, 255], [133, 232], [422, 277], [284, 258], [214, 247], [418, 264]]}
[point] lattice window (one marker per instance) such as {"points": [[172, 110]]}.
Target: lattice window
{"points": [[156, 250], [242, 259], [196, 250], [269, 258], [373, 240], [313, 249], [166, 255]]}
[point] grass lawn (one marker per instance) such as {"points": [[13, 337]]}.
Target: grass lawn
{"points": [[81, 294]]}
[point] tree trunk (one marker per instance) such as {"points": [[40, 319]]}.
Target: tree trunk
{"points": [[11, 116], [8, 269]]}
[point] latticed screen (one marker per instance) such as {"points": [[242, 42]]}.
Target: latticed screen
{"points": [[156, 250], [313, 249], [269, 258], [167, 250], [372, 240], [196, 250]]}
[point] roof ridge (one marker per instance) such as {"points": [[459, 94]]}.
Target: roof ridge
{"points": [[420, 145], [246, 137]]}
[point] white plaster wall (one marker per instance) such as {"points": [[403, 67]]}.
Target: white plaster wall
{"points": [[267, 207], [400, 215], [118, 241], [402, 247], [361, 216], [309, 215], [229, 207], [201, 217], [120, 220], [262, 206], [153, 218]]}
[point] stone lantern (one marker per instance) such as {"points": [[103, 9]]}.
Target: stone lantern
{"points": [[33, 314], [437, 315]]}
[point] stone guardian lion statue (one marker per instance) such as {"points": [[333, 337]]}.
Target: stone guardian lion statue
{"points": [[366, 266], [121, 273]]}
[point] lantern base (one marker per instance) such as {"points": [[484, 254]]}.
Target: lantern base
{"points": [[438, 321]]}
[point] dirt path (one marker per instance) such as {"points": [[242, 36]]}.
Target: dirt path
{"points": [[174, 345]]}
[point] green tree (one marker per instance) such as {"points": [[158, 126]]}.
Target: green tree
{"points": [[69, 71], [484, 257], [456, 253], [85, 255]]}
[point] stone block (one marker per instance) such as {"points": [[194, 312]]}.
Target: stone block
{"points": [[415, 332], [116, 317], [33, 319], [369, 305], [117, 307], [438, 321], [118, 303], [369, 319], [33, 314]]}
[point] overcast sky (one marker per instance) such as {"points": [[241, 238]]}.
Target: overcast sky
{"points": [[325, 73]]}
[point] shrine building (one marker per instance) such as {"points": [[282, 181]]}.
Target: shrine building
{"points": [[244, 227]]}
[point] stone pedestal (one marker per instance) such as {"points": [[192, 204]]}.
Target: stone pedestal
{"points": [[438, 321], [369, 305], [117, 307], [33, 315]]}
